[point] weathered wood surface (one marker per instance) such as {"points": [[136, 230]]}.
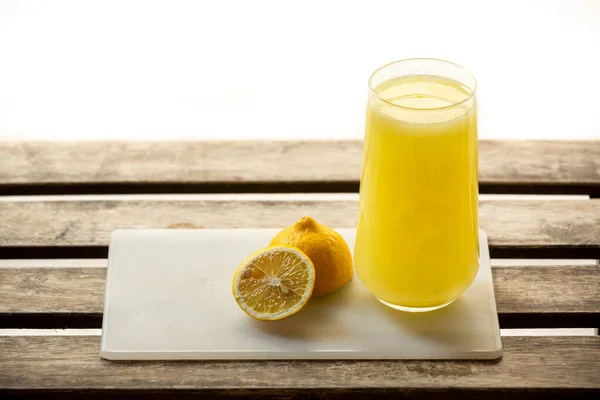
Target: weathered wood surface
{"points": [[527, 297], [271, 166], [531, 365], [51, 297], [76, 229], [544, 162]]}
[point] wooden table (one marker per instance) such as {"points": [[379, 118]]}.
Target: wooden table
{"points": [[65, 294]]}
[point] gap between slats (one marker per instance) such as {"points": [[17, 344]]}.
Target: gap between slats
{"points": [[299, 187], [334, 196]]}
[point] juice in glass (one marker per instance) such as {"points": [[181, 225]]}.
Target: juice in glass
{"points": [[417, 235]]}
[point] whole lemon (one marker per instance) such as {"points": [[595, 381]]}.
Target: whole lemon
{"points": [[327, 250]]}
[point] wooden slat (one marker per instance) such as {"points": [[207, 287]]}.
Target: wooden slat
{"points": [[551, 166], [527, 297], [51, 297], [536, 297], [271, 166], [530, 366], [79, 229]]}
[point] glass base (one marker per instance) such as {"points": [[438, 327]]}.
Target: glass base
{"points": [[414, 309]]}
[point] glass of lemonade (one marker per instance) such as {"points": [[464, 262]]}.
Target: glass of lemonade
{"points": [[417, 235]]}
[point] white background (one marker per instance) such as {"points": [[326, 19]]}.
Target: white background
{"points": [[285, 69]]}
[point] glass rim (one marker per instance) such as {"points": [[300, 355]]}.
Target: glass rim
{"points": [[472, 95]]}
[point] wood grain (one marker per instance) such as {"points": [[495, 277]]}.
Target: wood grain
{"points": [[524, 162], [76, 229], [527, 297], [271, 166], [51, 298], [530, 366]]}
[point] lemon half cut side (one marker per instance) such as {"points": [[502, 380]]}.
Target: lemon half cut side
{"points": [[274, 283]]}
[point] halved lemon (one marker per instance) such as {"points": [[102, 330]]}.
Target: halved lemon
{"points": [[274, 283]]}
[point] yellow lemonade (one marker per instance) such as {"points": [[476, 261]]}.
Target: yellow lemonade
{"points": [[417, 235]]}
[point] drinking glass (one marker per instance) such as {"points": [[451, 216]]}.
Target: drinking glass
{"points": [[417, 235]]}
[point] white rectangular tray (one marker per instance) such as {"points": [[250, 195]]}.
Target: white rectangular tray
{"points": [[168, 297]]}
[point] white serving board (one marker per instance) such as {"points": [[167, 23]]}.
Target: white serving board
{"points": [[168, 297]]}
